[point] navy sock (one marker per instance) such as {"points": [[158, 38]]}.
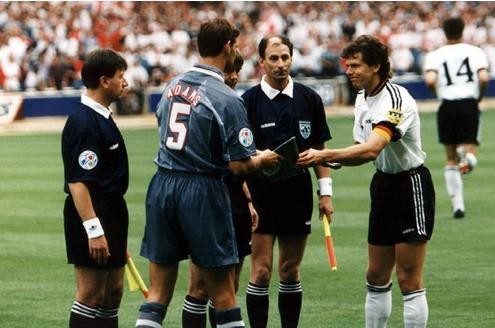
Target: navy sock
{"points": [[151, 314], [193, 313], [289, 303], [211, 314], [230, 318], [107, 318], [82, 316], [257, 302]]}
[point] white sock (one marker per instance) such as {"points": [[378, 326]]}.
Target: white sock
{"points": [[378, 305], [472, 160], [453, 182], [415, 309]]}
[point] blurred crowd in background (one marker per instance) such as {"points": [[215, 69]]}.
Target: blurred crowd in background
{"points": [[42, 44]]}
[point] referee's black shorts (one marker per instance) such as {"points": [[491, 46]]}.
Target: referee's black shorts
{"points": [[241, 216], [114, 217], [458, 122], [402, 207], [284, 207]]}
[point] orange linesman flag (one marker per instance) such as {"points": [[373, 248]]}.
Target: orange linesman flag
{"points": [[332, 259]]}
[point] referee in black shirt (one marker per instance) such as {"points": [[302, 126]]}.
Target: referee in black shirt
{"points": [[96, 176], [279, 109]]}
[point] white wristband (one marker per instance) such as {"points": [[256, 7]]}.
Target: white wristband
{"points": [[93, 228], [325, 186]]}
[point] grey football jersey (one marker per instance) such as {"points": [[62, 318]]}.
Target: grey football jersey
{"points": [[202, 124]]}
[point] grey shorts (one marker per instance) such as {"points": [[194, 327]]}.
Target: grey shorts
{"points": [[188, 215]]}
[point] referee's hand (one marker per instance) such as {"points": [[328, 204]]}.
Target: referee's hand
{"points": [[98, 250]]}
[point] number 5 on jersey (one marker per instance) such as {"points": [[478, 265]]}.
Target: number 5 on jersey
{"points": [[177, 126]]}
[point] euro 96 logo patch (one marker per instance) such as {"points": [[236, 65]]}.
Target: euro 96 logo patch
{"points": [[246, 137], [88, 160]]}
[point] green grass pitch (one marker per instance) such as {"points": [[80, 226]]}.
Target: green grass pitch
{"points": [[37, 286]]}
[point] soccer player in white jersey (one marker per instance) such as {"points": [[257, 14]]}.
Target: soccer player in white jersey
{"points": [[458, 73], [387, 132]]}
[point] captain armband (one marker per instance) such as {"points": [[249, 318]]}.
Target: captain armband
{"points": [[325, 187], [93, 228]]}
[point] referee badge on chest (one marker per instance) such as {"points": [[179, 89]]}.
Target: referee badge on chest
{"points": [[88, 160], [305, 129]]}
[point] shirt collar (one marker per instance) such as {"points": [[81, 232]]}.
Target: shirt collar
{"points": [[208, 70], [97, 107], [272, 93]]}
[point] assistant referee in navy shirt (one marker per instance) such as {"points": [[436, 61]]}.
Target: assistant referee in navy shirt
{"points": [[96, 176]]}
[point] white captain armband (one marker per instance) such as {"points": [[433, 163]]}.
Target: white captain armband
{"points": [[93, 228], [325, 187]]}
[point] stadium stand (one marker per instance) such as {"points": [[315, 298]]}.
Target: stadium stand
{"points": [[42, 44]]}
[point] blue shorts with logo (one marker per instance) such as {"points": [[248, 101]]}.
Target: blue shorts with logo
{"points": [[188, 215]]}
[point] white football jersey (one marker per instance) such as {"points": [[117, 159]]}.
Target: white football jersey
{"points": [[457, 66], [394, 107]]}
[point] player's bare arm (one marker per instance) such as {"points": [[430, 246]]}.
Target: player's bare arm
{"points": [[431, 80], [356, 154], [325, 203], [98, 246], [484, 78], [263, 158]]}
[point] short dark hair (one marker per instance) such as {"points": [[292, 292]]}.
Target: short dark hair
{"points": [[264, 42], [236, 65], [213, 35], [373, 51], [98, 63], [453, 28]]}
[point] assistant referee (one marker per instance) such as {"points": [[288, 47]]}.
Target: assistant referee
{"points": [[96, 176]]}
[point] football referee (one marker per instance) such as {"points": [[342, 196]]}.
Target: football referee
{"points": [[279, 109], [96, 179]]}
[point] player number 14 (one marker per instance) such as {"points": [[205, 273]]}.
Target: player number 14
{"points": [[464, 69]]}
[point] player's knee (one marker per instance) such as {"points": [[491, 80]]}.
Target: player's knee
{"points": [[114, 295], [289, 271], [377, 278], [198, 291], [262, 275], [409, 280]]}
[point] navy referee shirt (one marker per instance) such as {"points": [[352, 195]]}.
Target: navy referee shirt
{"points": [[275, 120], [93, 150]]}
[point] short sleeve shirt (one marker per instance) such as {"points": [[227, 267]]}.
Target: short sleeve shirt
{"points": [[393, 107], [93, 150], [276, 116], [457, 66], [202, 124]]}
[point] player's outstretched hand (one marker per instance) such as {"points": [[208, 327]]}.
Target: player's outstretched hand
{"points": [[311, 157], [269, 158]]}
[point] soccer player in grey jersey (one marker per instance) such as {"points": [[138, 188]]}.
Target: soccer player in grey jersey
{"points": [[204, 132], [387, 132], [458, 73]]}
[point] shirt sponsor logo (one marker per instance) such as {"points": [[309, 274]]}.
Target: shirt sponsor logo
{"points": [[246, 137], [112, 147], [88, 160], [305, 129], [267, 125]]}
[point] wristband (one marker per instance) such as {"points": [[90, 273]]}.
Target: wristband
{"points": [[325, 187], [93, 228]]}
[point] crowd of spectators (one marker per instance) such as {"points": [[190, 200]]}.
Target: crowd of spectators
{"points": [[42, 44]]}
